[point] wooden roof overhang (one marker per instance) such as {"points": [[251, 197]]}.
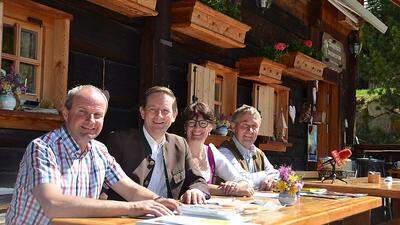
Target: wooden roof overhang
{"points": [[129, 8], [397, 2]]}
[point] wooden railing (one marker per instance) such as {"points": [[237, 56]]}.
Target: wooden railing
{"points": [[389, 152]]}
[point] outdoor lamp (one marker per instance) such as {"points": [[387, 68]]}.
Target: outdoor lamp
{"points": [[266, 4], [355, 44]]}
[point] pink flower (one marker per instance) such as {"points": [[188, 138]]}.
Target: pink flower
{"points": [[280, 46], [308, 43], [285, 172]]}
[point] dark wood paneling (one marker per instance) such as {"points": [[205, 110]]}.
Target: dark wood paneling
{"points": [[270, 26]]}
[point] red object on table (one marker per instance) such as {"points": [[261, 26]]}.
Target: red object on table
{"points": [[340, 156]]}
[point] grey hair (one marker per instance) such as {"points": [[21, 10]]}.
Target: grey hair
{"points": [[75, 90], [244, 109]]}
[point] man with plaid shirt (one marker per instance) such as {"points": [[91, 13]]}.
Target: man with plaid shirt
{"points": [[62, 173]]}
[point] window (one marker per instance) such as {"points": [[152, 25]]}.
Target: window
{"points": [[201, 84], [264, 101], [213, 84], [35, 40], [225, 88], [22, 49]]}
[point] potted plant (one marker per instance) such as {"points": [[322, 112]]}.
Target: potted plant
{"points": [[303, 61], [11, 87], [288, 185], [264, 68], [212, 21], [222, 124]]}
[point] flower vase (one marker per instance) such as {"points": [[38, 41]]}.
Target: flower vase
{"points": [[7, 101], [287, 199], [221, 130]]}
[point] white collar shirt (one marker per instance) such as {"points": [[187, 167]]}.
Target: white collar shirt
{"points": [[157, 182]]}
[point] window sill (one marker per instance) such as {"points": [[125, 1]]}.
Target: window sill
{"points": [[275, 146], [29, 120], [216, 139]]}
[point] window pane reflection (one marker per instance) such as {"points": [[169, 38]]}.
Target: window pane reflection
{"points": [[6, 65], [8, 39], [28, 44], [28, 72]]}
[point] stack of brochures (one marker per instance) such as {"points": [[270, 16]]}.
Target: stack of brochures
{"points": [[217, 211], [323, 193], [188, 220]]}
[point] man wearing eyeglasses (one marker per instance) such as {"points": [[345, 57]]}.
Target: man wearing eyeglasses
{"points": [[240, 150], [156, 159]]}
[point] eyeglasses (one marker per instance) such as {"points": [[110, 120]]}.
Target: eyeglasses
{"points": [[202, 123]]}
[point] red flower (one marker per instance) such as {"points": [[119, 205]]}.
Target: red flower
{"points": [[280, 46], [308, 43]]}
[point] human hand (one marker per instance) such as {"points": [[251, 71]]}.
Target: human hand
{"points": [[266, 185], [171, 204], [141, 208], [193, 196], [242, 188], [229, 187], [245, 189]]}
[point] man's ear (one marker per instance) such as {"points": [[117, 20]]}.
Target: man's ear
{"points": [[142, 112], [65, 113], [233, 126], [174, 114]]}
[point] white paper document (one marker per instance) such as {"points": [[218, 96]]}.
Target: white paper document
{"points": [[265, 195], [188, 220]]}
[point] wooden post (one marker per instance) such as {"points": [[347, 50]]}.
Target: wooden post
{"points": [[154, 58], [1, 30]]}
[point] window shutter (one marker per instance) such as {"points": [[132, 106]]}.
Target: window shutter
{"points": [[264, 101], [201, 85]]}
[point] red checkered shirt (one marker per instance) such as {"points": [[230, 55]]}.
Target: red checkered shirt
{"points": [[56, 158]]}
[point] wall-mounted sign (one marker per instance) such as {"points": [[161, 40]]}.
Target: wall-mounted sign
{"points": [[333, 53]]}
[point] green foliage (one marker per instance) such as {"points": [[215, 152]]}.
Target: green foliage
{"points": [[227, 7], [368, 135], [273, 52], [281, 49], [309, 50], [364, 131], [379, 62]]}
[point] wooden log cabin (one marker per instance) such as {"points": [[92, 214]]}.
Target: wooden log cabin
{"points": [[127, 46]]}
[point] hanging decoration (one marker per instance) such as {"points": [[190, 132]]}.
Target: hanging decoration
{"points": [[312, 143], [281, 128], [292, 113]]}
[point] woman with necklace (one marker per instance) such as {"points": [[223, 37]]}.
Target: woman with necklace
{"points": [[199, 121]]}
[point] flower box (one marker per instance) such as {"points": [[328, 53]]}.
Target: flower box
{"points": [[194, 19], [302, 66], [260, 69], [130, 8]]}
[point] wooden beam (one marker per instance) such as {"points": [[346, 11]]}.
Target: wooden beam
{"points": [[39, 9], [130, 8], [397, 2]]}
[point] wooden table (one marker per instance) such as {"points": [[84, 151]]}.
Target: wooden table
{"points": [[307, 211], [361, 185]]}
